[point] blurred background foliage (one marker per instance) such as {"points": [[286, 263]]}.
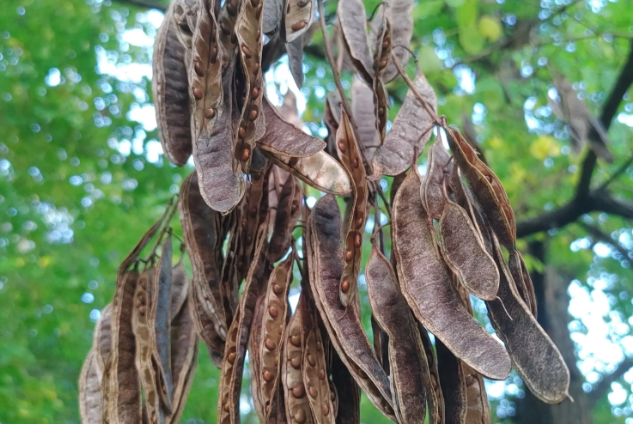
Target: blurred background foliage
{"points": [[82, 175]]}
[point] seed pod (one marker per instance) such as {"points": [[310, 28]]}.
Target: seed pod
{"points": [[146, 361], [275, 309], [534, 355], [179, 288], [248, 30], [90, 391], [120, 384], [169, 88], [401, 18], [184, 353], [349, 153], [407, 360], [486, 187], [332, 116], [522, 279], [426, 283], [283, 138], [348, 392], [238, 334], [381, 42], [478, 411], [200, 234], [353, 19], [453, 383], [435, 398], [409, 133], [102, 340], [364, 114], [315, 378], [272, 15], [296, 19], [184, 15], [432, 188], [297, 404], [343, 324], [320, 171], [288, 210], [226, 20]]}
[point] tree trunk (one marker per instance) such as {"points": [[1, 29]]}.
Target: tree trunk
{"points": [[553, 302]]}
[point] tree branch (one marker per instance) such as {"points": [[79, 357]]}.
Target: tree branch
{"points": [[599, 236], [145, 4], [585, 200], [605, 384]]}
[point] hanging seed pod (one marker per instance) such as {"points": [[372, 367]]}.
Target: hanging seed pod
{"points": [[296, 19], [349, 152], [343, 324], [432, 188], [409, 368], [90, 391], [315, 377], [348, 392], [426, 283], [364, 115], [102, 340], [435, 398], [453, 383], [534, 355], [353, 19], [288, 210], [400, 16], [522, 279], [410, 132], [169, 91]]}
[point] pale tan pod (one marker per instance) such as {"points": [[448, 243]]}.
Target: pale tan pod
{"points": [[90, 391]]}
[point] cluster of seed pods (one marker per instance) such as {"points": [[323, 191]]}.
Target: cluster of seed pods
{"points": [[252, 244]]}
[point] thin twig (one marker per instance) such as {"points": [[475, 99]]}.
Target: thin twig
{"points": [[616, 174]]}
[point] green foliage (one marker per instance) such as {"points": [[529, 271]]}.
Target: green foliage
{"points": [[77, 187]]}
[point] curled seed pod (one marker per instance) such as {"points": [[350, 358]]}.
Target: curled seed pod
{"points": [[349, 153], [534, 355], [315, 379], [283, 138], [200, 234], [296, 19], [432, 188], [353, 19], [409, 134], [169, 91], [364, 114], [90, 391], [252, 121], [407, 360], [487, 189], [343, 324], [320, 171], [426, 283], [184, 352], [297, 404]]}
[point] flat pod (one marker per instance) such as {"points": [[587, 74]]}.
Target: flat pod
{"points": [[179, 288], [486, 187], [349, 153], [90, 391], [453, 383], [407, 360], [297, 404], [294, 49], [297, 18], [120, 384], [221, 185], [319, 170], [426, 284], [283, 138], [364, 116], [288, 210], [184, 351], [102, 339], [200, 234], [465, 253], [432, 188], [353, 19], [252, 121], [410, 132], [400, 16], [169, 91], [343, 323], [522, 279], [534, 355]]}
